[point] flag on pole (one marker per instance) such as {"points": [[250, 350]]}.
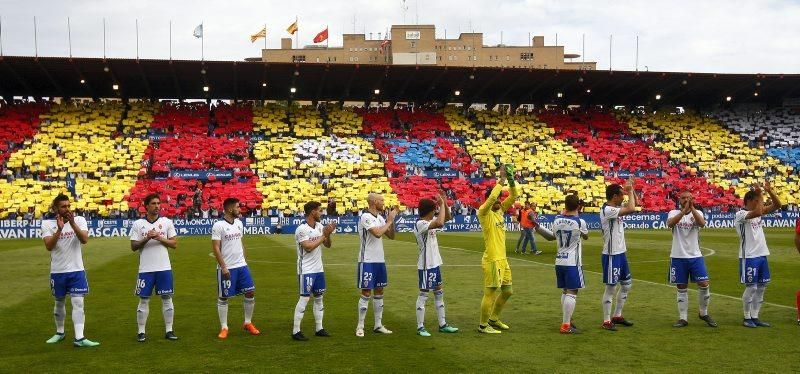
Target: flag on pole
{"points": [[258, 35], [385, 43], [292, 28], [198, 31], [322, 36]]}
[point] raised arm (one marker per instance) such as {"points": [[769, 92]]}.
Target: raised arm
{"points": [[775, 201], [630, 206], [486, 207], [443, 214]]}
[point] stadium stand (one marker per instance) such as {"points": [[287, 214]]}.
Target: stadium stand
{"points": [[548, 167], [81, 145], [777, 130], [274, 158], [608, 142], [708, 149]]}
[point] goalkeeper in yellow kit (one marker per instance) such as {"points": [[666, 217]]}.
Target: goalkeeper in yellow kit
{"points": [[496, 272]]}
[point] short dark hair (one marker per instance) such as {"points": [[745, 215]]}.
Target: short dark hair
{"points": [[750, 195], [613, 190], [61, 197], [572, 202], [150, 197], [230, 202], [311, 206], [426, 206]]}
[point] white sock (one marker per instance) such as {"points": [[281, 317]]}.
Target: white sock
{"points": [[363, 305], [249, 305], [377, 305], [568, 302], [703, 298], [683, 303], [421, 300], [758, 300], [222, 310], [142, 311], [299, 311], [168, 309], [622, 297], [319, 311], [747, 299], [60, 314], [608, 294], [78, 317], [438, 297]]}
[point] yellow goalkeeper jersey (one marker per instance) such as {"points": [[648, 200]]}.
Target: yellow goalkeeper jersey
{"points": [[493, 225]]}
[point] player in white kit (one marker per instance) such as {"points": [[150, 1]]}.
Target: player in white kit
{"points": [[372, 227], [310, 237], [63, 237], [686, 261], [233, 275], [753, 251], [568, 230], [151, 236], [615, 263], [429, 261]]}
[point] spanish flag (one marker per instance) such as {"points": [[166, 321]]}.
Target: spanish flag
{"points": [[292, 28], [259, 35]]}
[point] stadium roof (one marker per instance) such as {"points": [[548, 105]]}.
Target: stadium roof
{"points": [[63, 77]]}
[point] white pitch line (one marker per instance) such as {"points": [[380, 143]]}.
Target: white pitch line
{"points": [[353, 264], [637, 280]]}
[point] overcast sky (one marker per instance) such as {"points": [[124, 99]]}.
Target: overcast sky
{"points": [[702, 36]]}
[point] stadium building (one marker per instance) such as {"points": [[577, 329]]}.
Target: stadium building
{"points": [[418, 45]]}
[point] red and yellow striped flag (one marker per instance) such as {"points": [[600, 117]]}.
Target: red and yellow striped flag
{"points": [[258, 35]]}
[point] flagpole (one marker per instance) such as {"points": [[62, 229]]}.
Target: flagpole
{"points": [[296, 34], [1, 35], [583, 51], [104, 38], [202, 42], [265, 36], [610, 44], [137, 38], [35, 37], [170, 40], [637, 52], [327, 37], [69, 37]]}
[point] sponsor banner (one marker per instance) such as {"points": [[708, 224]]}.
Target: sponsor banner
{"points": [[349, 224], [201, 174], [637, 174], [156, 137], [441, 173]]}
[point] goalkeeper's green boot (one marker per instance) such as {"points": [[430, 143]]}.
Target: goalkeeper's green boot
{"points": [[85, 343]]}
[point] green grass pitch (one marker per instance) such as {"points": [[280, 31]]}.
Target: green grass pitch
{"points": [[534, 312]]}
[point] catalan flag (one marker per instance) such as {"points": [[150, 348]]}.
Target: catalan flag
{"points": [[259, 35]]}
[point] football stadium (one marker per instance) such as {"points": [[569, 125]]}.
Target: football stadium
{"points": [[295, 211]]}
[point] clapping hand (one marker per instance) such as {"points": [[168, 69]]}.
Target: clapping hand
{"points": [[329, 229]]}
